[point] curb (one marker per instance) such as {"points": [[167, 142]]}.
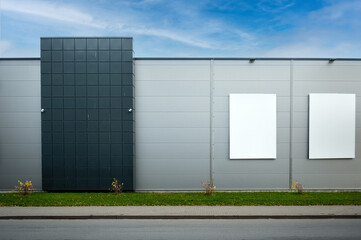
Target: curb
{"points": [[145, 217]]}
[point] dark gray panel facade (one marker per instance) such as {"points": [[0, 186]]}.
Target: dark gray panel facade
{"points": [[87, 128]]}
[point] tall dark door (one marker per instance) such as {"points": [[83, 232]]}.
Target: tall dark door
{"points": [[87, 119]]}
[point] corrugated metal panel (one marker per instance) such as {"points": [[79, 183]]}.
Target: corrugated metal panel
{"points": [[172, 124], [20, 127], [324, 77], [245, 77]]}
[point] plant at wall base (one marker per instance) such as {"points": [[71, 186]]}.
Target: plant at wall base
{"points": [[208, 187], [297, 187], [24, 188], [117, 186]]}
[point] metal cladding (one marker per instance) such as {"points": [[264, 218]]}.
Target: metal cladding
{"points": [[87, 128], [181, 115]]}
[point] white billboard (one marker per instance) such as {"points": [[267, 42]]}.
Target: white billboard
{"points": [[252, 126], [332, 125]]}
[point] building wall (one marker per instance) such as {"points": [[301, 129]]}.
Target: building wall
{"points": [[322, 77], [87, 129], [245, 77], [173, 123], [163, 157], [20, 125]]}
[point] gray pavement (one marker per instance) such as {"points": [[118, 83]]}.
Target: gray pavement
{"points": [[180, 212], [267, 229]]}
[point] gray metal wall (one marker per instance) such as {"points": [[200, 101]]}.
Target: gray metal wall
{"points": [[323, 77], [20, 135], [246, 77], [174, 117], [173, 123]]}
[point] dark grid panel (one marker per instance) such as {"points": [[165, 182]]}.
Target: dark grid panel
{"points": [[87, 130]]}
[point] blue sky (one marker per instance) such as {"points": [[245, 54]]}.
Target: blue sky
{"points": [[196, 28]]}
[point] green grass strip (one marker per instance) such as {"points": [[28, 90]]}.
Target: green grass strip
{"points": [[184, 199]]}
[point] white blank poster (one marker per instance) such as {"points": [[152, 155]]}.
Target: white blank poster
{"points": [[332, 120], [252, 126]]}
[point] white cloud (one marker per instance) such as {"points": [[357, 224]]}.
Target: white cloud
{"points": [[331, 31], [9, 49], [337, 11], [136, 23], [51, 11], [318, 34], [69, 14], [170, 35], [274, 6], [312, 49]]}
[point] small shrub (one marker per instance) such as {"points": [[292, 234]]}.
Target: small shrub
{"points": [[297, 187], [208, 187], [117, 186], [24, 188]]}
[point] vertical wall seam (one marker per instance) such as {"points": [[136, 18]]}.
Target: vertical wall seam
{"points": [[98, 97], [41, 129], [211, 82], [291, 127], [1, 25], [134, 127], [63, 68]]}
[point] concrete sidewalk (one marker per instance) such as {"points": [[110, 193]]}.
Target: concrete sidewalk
{"points": [[181, 212]]}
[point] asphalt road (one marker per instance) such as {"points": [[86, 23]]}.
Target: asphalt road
{"points": [[181, 229]]}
